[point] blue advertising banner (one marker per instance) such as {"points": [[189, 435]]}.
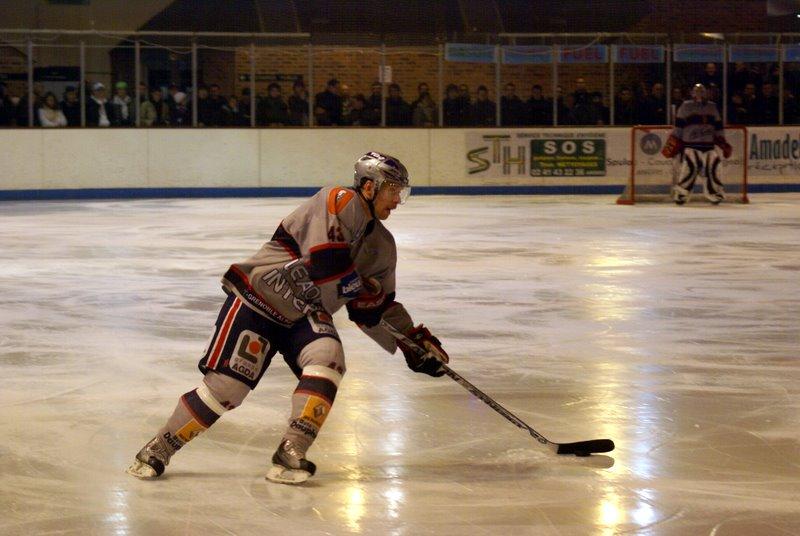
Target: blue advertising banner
{"points": [[638, 53], [516, 55], [583, 54], [469, 53], [752, 53], [791, 52], [698, 53]]}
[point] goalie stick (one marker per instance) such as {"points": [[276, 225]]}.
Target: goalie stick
{"points": [[579, 448]]}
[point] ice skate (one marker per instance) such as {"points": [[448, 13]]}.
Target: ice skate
{"points": [[289, 466], [151, 460]]}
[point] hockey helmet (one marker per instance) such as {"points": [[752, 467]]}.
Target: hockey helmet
{"points": [[699, 92], [379, 168]]}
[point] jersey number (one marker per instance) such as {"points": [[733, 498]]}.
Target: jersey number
{"points": [[335, 234]]}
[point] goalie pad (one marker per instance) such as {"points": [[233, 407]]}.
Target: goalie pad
{"points": [[673, 147], [720, 142]]}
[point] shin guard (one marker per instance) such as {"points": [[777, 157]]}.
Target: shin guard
{"points": [[311, 403]]}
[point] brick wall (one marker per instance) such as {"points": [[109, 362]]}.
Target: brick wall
{"points": [[358, 68], [12, 61]]}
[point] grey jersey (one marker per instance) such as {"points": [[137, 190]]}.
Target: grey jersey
{"points": [[697, 124], [317, 259]]}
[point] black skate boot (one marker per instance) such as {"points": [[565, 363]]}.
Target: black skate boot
{"points": [[289, 466], [151, 460]]}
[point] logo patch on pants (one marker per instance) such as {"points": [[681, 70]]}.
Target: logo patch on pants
{"points": [[251, 349]]}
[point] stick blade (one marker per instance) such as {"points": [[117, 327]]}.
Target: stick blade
{"points": [[584, 448]]}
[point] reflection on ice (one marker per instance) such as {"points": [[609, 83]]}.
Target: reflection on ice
{"points": [[672, 331]]}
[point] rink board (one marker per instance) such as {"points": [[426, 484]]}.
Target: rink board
{"points": [[141, 163]]}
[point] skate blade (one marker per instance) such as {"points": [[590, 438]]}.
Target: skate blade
{"points": [[141, 470], [282, 475]]}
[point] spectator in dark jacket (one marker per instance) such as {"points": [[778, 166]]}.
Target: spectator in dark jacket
{"points": [[625, 112], [738, 112], [298, 105], [711, 75], [767, 106], [330, 101], [463, 94], [7, 108], [601, 110], [205, 117], [654, 108], [540, 109], [232, 115], [422, 91], [512, 109], [483, 111], [273, 111], [243, 105], [374, 101], [321, 117], [360, 115], [398, 111], [425, 113], [451, 108], [71, 107], [98, 110], [216, 101]]}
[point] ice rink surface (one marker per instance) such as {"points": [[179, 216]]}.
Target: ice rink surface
{"points": [[675, 331]]}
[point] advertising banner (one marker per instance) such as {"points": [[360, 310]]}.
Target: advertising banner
{"points": [[539, 155], [518, 55], [469, 53], [638, 53], [774, 154], [698, 53]]}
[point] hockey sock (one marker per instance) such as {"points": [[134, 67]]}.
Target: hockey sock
{"points": [[311, 403], [196, 411]]}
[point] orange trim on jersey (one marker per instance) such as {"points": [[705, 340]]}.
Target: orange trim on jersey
{"points": [[288, 249], [338, 199], [329, 245], [223, 333]]}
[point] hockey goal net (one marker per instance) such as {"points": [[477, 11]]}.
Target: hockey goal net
{"points": [[652, 175]]}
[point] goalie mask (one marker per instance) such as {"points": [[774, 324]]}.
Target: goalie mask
{"points": [[380, 168], [699, 93]]}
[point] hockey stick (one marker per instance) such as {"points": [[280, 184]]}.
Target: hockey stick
{"points": [[579, 448]]}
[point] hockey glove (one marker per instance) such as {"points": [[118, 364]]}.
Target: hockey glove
{"points": [[720, 142], [429, 363], [673, 147], [367, 308]]}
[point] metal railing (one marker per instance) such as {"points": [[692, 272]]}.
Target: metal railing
{"points": [[609, 60]]}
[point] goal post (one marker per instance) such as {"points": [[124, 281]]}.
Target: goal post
{"points": [[652, 176]]}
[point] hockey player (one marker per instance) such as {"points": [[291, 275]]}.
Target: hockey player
{"points": [[698, 128], [331, 251]]}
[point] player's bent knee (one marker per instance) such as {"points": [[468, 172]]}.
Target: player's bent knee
{"points": [[227, 392], [325, 352]]}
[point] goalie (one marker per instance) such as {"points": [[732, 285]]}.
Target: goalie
{"points": [[698, 129]]}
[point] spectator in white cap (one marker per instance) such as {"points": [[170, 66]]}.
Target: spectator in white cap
{"points": [[180, 116], [98, 110]]}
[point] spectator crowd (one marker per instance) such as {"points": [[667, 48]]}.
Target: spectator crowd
{"points": [[754, 100]]}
